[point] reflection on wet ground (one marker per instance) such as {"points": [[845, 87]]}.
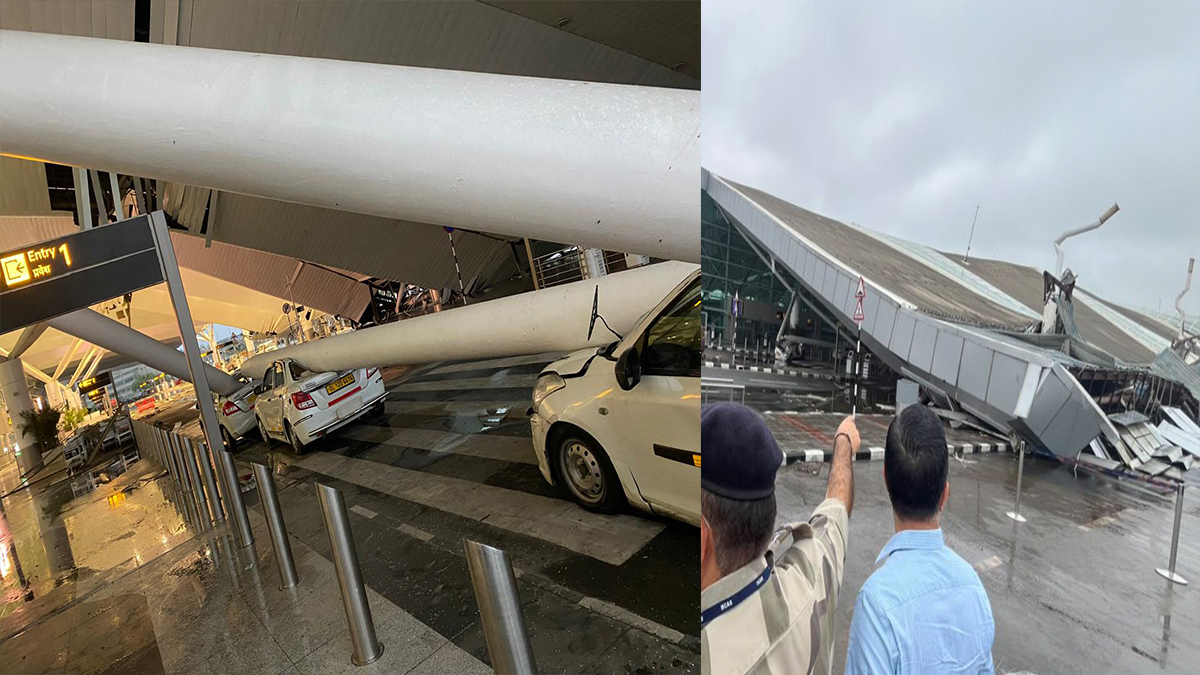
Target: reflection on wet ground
{"points": [[58, 540], [1073, 590], [128, 588]]}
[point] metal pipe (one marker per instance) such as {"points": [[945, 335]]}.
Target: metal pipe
{"points": [[552, 319], [197, 489], [121, 339], [1169, 573], [222, 483], [602, 165], [1187, 285], [159, 439], [367, 647], [1015, 514], [500, 609], [199, 372], [279, 536], [1076, 231], [184, 480], [206, 470]]}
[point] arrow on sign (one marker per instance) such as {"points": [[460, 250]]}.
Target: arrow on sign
{"points": [[861, 292]]}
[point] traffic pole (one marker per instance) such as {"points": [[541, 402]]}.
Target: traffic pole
{"points": [[857, 370], [859, 316]]}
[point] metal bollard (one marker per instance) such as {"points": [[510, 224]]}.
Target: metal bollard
{"points": [[193, 472], [279, 536], [1169, 573], [235, 506], [185, 483], [500, 609], [206, 473], [166, 450], [1015, 514], [367, 648], [156, 438]]}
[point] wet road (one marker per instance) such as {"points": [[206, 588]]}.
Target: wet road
{"points": [[1073, 590], [452, 458]]}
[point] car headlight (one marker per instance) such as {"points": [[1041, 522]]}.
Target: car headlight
{"points": [[546, 384]]}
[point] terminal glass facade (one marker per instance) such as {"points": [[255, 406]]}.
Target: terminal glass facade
{"points": [[732, 267]]}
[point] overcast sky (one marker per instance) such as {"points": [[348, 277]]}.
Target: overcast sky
{"points": [[902, 116]]}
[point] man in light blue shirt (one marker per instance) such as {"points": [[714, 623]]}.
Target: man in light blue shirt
{"points": [[924, 611]]}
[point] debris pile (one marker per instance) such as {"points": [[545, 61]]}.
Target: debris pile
{"points": [[1132, 441]]}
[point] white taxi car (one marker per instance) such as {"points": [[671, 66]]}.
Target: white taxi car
{"points": [[622, 423], [237, 412], [298, 406]]}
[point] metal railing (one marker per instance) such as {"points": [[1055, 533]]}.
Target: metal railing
{"points": [[721, 392], [560, 267], [194, 485]]}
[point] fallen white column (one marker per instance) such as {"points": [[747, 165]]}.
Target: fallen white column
{"points": [[552, 319], [600, 165], [121, 339]]}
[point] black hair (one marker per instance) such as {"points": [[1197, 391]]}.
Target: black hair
{"points": [[916, 463], [742, 528]]}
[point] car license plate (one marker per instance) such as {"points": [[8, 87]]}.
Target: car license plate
{"points": [[251, 399], [339, 383]]}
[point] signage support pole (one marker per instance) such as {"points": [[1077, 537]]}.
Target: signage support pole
{"points": [[859, 316], [857, 370], [204, 399]]}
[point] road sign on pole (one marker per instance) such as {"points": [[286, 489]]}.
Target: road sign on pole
{"points": [[859, 316]]}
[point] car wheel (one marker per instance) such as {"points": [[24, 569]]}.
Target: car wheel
{"points": [[262, 430], [293, 439], [588, 474], [377, 409], [230, 441]]}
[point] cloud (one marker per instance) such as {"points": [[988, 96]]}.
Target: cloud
{"points": [[903, 116]]}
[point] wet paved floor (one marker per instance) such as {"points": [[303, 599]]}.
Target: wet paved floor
{"points": [[451, 457], [1073, 590], [797, 432]]}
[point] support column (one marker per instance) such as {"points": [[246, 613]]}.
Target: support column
{"points": [[54, 397], [16, 397]]}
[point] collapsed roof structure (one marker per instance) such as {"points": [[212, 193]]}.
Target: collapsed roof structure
{"points": [[1024, 352]]}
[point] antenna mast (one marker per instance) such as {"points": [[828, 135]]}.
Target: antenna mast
{"points": [[972, 235]]}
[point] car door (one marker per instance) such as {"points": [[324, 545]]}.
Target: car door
{"points": [[271, 401], [660, 415]]}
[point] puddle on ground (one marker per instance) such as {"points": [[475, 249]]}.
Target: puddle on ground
{"points": [[60, 542]]}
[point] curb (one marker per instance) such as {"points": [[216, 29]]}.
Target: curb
{"points": [[769, 371], [876, 453]]}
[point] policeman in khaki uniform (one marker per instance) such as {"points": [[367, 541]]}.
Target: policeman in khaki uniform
{"points": [[768, 598]]}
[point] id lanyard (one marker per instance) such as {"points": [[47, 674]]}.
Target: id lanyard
{"points": [[734, 600]]}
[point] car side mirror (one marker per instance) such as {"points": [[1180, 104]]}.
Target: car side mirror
{"points": [[629, 369]]}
